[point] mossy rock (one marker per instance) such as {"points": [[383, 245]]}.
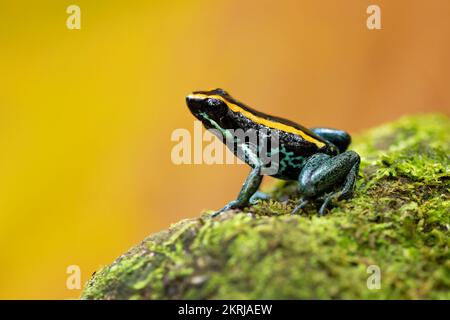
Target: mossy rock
{"points": [[398, 221]]}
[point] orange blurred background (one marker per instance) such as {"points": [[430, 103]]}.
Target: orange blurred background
{"points": [[86, 115]]}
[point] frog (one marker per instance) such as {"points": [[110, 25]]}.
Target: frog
{"points": [[316, 158]]}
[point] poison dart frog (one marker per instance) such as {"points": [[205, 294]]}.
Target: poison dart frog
{"points": [[317, 158]]}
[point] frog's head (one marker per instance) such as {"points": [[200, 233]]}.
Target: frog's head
{"points": [[208, 105]]}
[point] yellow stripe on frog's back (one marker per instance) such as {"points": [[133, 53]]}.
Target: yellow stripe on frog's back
{"points": [[265, 122]]}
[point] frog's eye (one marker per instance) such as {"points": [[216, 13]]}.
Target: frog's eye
{"points": [[213, 102]]}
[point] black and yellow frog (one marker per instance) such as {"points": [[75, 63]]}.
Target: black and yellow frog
{"points": [[317, 158]]}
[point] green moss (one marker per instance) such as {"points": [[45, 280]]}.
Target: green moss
{"points": [[398, 220]]}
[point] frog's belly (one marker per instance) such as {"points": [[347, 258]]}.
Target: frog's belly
{"points": [[282, 164], [289, 166]]}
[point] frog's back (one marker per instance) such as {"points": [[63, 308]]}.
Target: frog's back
{"points": [[295, 137], [295, 142]]}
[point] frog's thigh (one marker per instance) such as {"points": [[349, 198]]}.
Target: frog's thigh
{"points": [[322, 172]]}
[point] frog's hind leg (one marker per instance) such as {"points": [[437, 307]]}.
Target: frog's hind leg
{"points": [[249, 188], [323, 173]]}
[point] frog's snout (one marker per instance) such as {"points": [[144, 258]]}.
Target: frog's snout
{"points": [[192, 98], [194, 102]]}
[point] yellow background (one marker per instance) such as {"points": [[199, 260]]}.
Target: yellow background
{"points": [[86, 115]]}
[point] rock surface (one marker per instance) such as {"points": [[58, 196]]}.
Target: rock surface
{"points": [[398, 223]]}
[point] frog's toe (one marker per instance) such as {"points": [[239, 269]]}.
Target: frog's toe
{"points": [[327, 200], [324, 206], [300, 207], [230, 206], [258, 195], [217, 213]]}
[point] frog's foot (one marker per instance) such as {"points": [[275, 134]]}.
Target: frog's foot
{"points": [[249, 188], [322, 173], [327, 200], [301, 204], [230, 206], [237, 204], [258, 195]]}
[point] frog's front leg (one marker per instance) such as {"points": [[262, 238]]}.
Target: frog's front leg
{"points": [[249, 188], [323, 174]]}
